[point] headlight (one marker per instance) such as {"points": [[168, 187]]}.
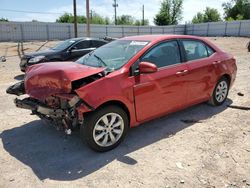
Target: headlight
{"points": [[36, 59]]}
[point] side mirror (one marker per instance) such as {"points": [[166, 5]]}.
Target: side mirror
{"points": [[146, 67]]}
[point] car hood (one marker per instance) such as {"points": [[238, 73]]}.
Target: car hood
{"points": [[44, 53], [46, 79]]}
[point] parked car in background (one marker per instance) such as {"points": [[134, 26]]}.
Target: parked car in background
{"points": [[68, 50], [125, 83]]}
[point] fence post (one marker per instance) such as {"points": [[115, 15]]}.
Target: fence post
{"points": [[225, 29], [69, 32], [193, 29], [21, 29], [239, 32], [185, 29], [47, 31], [207, 29], [138, 32], [122, 31], [106, 28], [151, 30], [174, 28], [163, 30]]}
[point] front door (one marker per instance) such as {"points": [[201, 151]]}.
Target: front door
{"points": [[165, 90], [80, 49]]}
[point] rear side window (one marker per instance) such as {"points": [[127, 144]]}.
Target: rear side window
{"points": [[96, 43], [164, 54], [82, 45], [196, 50]]}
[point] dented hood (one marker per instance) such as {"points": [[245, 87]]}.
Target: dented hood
{"points": [[45, 79]]}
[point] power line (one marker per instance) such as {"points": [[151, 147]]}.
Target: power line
{"points": [[32, 12]]}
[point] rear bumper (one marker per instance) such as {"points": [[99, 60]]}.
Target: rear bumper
{"points": [[233, 76]]}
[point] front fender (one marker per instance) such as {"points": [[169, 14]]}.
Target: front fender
{"points": [[110, 88]]}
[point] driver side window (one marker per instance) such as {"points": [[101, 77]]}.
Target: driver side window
{"points": [[81, 45], [164, 54]]}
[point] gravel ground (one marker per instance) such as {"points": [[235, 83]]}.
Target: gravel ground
{"points": [[211, 151]]}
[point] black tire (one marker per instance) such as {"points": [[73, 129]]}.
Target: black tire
{"points": [[214, 98], [90, 120]]}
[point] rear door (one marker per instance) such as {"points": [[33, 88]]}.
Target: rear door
{"points": [[200, 59], [165, 90]]}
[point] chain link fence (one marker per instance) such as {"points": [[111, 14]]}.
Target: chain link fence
{"points": [[28, 31]]}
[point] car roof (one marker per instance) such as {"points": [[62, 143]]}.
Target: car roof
{"points": [[86, 38], [153, 38]]}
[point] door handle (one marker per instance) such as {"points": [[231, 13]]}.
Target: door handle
{"points": [[182, 72]]}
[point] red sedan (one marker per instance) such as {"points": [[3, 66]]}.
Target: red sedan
{"points": [[125, 83]]}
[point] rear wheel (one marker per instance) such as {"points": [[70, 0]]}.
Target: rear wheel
{"points": [[220, 92], [105, 128]]}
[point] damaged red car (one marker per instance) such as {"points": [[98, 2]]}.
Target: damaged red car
{"points": [[125, 83]]}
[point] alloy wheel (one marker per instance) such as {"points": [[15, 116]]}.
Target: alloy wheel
{"points": [[221, 91], [108, 129]]}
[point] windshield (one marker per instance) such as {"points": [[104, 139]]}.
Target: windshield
{"points": [[113, 55], [63, 45]]}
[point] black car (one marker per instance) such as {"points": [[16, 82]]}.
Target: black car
{"points": [[68, 50]]}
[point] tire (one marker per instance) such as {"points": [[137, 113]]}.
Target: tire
{"points": [[220, 92], [105, 128]]}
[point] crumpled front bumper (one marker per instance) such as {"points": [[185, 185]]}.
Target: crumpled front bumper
{"points": [[37, 108]]}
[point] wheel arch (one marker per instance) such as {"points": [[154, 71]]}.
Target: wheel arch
{"points": [[116, 103], [228, 77]]}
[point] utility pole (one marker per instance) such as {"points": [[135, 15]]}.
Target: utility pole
{"points": [[75, 18], [143, 15], [115, 5], [87, 16]]}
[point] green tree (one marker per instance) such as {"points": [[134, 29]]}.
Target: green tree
{"points": [[209, 15], [170, 12], [139, 22], [198, 18], [125, 20], [94, 19], [97, 19], [107, 20], [130, 20], [237, 10], [69, 18], [3, 20]]}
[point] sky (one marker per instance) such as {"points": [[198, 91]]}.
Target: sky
{"points": [[102, 7]]}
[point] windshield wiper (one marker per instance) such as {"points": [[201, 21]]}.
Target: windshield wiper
{"points": [[100, 60]]}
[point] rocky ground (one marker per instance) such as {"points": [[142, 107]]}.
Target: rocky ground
{"points": [[211, 150]]}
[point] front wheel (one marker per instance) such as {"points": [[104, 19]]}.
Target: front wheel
{"points": [[105, 128], [220, 92]]}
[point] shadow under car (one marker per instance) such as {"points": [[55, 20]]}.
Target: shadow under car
{"points": [[54, 155]]}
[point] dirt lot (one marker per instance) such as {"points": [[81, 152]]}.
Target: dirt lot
{"points": [[212, 151]]}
